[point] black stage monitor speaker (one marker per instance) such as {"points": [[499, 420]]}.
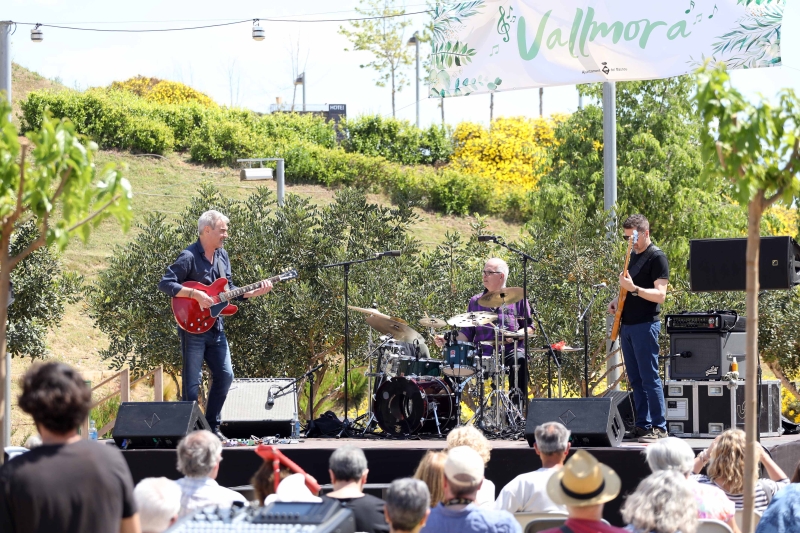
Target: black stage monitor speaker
{"points": [[594, 422], [156, 424], [255, 407], [706, 356], [719, 264]]}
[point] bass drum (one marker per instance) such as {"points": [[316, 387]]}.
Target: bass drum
{"points": [[406, 406]]}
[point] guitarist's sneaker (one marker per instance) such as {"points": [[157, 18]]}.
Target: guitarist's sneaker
{"points": [[634, 434], [653, 435]]}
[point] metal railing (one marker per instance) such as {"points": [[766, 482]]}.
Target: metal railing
{"points": [[124, 392]]}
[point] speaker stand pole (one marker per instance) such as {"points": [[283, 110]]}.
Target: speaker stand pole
{"points": [[585, 319]]}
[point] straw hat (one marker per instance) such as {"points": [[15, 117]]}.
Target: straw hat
{"points": [[583, 481]]}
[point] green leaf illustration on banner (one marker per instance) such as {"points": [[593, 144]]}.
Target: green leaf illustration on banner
{"points": [[444, 55], [754, 42], [447, 17]]}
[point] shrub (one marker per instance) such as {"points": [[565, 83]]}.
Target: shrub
{"points": [[396, 140], [221, 143], [163, 91], [149, 136]]}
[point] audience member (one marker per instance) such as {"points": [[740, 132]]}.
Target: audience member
{"points": [[407, 505], [199, 455], [347, 467], [431, 472], [292, 489], [662, 503], [675, 454], [472, 437], [783, 513], [584, 485], [725, 469], [528, 492], [463, 476], [34, 441], [263, 481], [159, 502], [796, 475], [55, 487]]}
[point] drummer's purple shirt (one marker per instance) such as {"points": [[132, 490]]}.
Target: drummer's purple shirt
{"points": [[512, 318]]}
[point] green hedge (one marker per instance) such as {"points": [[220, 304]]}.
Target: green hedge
{"points": [[368, 157], [397, 140]]}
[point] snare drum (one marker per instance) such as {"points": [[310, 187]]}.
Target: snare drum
{"points": [[459, 359], [423, 367]]}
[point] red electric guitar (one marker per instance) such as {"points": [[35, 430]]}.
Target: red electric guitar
{"points": [[192, 319]]}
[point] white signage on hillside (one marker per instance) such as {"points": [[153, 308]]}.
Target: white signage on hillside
{"points": [[491, 45]]}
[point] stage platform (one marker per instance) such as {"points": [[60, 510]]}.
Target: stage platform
{"points": [[390, 459]]}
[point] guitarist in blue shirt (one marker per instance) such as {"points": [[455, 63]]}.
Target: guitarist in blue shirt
{"points": [[646, 285], [205, 261]]}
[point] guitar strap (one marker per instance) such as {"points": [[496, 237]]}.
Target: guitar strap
{"points": [[220, 270], [642, 260]]}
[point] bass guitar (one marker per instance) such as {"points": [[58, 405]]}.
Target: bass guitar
{"points": [[622, 292], [192, 319]]}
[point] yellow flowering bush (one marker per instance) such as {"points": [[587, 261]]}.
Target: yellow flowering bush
{"points": [[163, 91], [514, 153], [781, 220], [790, 406]]}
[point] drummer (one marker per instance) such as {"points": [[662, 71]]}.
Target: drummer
{"points": [[510, 318]]}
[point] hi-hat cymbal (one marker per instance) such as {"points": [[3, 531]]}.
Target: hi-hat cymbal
{"points": [[506, 295], [398, 330], [476, 318], [367, 311], [430, 322]]}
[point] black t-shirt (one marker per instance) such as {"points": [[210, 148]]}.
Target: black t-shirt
{"points": [[80, 487], [368, 512], [637, 310]]}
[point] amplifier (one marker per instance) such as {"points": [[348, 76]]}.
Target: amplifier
{"points": [[327, 516], [707, 408], [705, 322], [705, 356], [247, 412]]}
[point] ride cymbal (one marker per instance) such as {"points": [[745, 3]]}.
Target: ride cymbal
{"points": [[367, 311], [468, 320], [506, 295]]}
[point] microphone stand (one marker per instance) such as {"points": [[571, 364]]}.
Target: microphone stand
{"points": [[585, 319], [526, 309], [295, 381], [346, 265]]}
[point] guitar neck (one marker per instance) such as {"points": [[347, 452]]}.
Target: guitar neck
{"points": [[229, 295]]}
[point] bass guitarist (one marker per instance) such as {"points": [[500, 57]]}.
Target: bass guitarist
{"points": [[205, 261], [646, 286]]}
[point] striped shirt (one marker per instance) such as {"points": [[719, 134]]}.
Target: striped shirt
{"points": [[762, 499]]}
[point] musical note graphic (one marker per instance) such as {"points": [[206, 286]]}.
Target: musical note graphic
{"points": [[698, 19], [691, 6], [711, 16], [503, 26], [495, 50]]}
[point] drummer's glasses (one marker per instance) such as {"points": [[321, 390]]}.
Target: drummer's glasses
{"points": [[490, 272]]}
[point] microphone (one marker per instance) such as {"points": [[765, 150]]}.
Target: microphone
{"points": [[600, 286], [487, 238], [270, 399], [390, 253]]}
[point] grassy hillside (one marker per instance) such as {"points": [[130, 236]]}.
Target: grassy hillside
{"points": [[164, 185]]}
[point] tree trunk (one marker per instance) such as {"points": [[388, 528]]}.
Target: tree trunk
{"points": [[442, 106], [754, 211], [393, 115], [491, 109], [541, 102]]}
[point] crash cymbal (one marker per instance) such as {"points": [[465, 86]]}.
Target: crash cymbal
{"points": [[398, 330], [430, 322], [506, 295], [366, 311], [476, 318], [563, 350], [399, 320]]}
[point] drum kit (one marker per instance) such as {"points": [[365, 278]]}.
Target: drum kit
{"points": [[414, 393]]}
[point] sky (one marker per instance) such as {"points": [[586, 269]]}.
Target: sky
{"points": [[227, 64]]}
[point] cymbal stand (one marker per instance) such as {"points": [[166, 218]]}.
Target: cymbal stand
{"points": [[380, 375]]}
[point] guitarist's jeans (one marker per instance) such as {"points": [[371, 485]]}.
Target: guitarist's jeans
{"points": [[211, 347], [639, 344]]}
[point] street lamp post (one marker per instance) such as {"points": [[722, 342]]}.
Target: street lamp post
{"points": [[301, 80], [414, 41]]}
